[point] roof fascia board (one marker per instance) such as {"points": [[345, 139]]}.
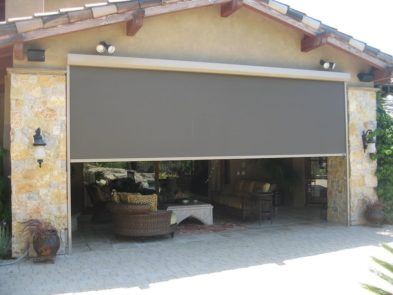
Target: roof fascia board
{"points": [[375, 62], [178, 6]]}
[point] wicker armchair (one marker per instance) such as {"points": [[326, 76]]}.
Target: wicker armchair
{"points": [[139, 221]]}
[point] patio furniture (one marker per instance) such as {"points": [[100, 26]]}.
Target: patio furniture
{"points": [[99, 199], [202, 211], [264, 205], [139, 217], [238, 199]]}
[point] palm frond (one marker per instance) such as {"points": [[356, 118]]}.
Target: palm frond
{"points": [[376, 290], [388, 248], [383, 276], [386, 265]]}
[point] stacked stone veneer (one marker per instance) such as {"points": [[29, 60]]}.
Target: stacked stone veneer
{"points": [[362, 116], [38, 100], [337, 210], [362, 179]]}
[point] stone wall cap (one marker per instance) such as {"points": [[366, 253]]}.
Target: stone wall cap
{"points": [[40, 71], [371, 89]]}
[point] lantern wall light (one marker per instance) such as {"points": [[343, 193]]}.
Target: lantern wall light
{"points": [[368, 142], [327, 65], [39, 143]]}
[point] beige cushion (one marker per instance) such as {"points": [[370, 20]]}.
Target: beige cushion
{"points": [[173, 218], [262, 187], [138, 199]]}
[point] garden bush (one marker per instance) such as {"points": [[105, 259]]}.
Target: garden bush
{"points": [[384, 157]]}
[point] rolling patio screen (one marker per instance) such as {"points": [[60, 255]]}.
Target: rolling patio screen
{"points": [[130, 114]]}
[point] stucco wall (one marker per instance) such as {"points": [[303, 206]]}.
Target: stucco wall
{"points": [[201, 34], [38, 100], [362, 116]]}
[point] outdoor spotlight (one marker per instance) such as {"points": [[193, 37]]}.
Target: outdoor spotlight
{"points": [[365, 77], [368, 141], [36, 55], [327, 65], [103, 47], [39, 143]]}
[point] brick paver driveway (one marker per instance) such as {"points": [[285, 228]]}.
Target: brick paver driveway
{"points": [[298, 259]]}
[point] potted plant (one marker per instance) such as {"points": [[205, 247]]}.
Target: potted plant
{"points": [[375, 212], [44, 236]]}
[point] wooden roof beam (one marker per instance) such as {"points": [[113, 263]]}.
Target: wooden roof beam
{"points": [[312, 42], [229, 8], [18, 50], [134, 25], [383, 76], [6, 52], [309, 43]]}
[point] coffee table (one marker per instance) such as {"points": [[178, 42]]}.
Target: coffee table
{"points": [[200, 211]]}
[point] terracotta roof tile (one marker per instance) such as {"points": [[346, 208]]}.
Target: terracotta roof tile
{"points": [[99, 11], [295, 14], [127, 6]]}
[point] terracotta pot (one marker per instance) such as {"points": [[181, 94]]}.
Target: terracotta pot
{"points": [[46, 244], [375, 215]]}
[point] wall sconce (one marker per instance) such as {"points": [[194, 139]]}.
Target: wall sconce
{"points": [[39, 143], [368, 142], [327, 65], [103, 47]]}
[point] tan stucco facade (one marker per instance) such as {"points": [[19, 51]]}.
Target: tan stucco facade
{"points": [[197, 35], [201, 35]]}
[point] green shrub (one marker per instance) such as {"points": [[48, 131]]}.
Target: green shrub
{"points": [[5, 211], [384, 157], [5, 240]]}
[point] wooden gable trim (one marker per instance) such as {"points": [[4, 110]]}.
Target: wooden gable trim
{"points": [[374, 62], [309, 43], [9, 40], [281, 18]]}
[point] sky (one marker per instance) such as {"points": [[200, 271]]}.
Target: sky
{"points": [[370, 21]]}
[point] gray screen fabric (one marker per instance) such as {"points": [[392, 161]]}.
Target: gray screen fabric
{"points": [[123, 114]]}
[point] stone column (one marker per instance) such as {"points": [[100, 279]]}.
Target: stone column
{"points": [[337, 209], [38, 100], [362, 116]]}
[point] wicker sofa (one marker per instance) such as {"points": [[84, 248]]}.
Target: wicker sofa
{"points": [[137, 216], [237, 198]]}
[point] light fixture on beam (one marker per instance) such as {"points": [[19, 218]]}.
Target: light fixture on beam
{"points": [[36, 55], [365, 77], [327, 65], [103, 47]]}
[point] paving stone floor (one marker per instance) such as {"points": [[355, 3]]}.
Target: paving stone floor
{"points": [[279, 258]]}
